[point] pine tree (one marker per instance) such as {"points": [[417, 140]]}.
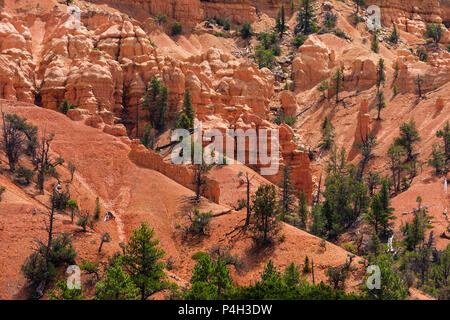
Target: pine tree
{"points": [[291, 275], [409, 136], [155, 102], [419, 81], [210, 279], [338, 80], [306, 18], [396, 153], [303, 212], [142, 262], [188, 109], [281, 21], [375, 47], [287, 199], [323, 87], [116, 285], [381, 104], [394, 37], [381, 74], [444, 133], [327, 134], [266, 214]]}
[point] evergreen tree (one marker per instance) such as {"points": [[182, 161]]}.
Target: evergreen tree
{"points": [[281, 21], [323, 87], [155, 102], [142, 262], [409, 136], [419, 81], [381, 74], [287, 198], [380, 214], [381, 104], [444, 133], [303, 212], [291, 275], [435, 32], [147, 138], [373, 180], [391, 284], [338, 80], [358, 4], [306, 18], [327, 134], [63, 292], [188, 109], [394, 37], [437, 159], [116, 285], [266, 214], [210, 279], [375, 47], [396, 153]]}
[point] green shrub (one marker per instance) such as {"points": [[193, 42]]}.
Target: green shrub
{"points": [[2, 189], [422, 54], [198, 255], [24, 175], [281, 117], [176, 28], [61, 250], [34, 268], [246, 31]]}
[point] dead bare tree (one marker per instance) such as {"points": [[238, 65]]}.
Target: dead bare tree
{"points": [[248, 181], [43, 164], [105, 237]]}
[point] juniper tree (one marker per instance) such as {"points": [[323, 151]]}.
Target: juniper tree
{"points": [[142, 262], [338, 80], [266, 214]]}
